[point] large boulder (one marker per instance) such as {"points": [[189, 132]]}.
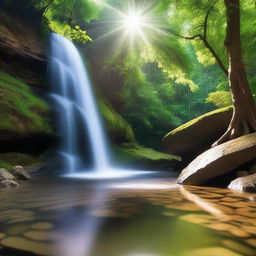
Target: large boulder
{"points": [[197, 135], [219, 160]]}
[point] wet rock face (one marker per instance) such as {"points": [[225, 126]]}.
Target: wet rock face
{"points": [[4, 174], [219, 160], [21, 45], [21, 173]]}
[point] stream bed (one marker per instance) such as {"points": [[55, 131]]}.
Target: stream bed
{"points": [[146, 215]]}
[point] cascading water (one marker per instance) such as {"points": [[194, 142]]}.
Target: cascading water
{"points": [[77, 112], [73, 94]]}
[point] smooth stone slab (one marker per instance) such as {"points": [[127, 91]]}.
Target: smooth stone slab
{"points": [[244, 184], [219, 160]]}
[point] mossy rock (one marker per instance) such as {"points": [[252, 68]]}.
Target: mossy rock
{"points": [[197, 135], [8, 160], [118, 129], [136, 156], [22, 113]]}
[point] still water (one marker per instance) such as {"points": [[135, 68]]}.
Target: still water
{"points": [[141, 216]]}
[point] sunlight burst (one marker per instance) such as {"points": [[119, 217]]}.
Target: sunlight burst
{"points": [[133, 25], [133, 21]]}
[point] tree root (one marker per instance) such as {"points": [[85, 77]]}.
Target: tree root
{"points": [[236, 129]]}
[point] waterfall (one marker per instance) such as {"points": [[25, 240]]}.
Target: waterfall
{"points": [[72, 93], [79, 122]]}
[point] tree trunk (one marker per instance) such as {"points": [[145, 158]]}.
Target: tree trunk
{"points": [[244, 114]]}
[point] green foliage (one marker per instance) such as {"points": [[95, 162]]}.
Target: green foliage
{"points": [[154, 45], [6, 165], [171, 58], [72, 11], [65, 17], [220, 98], [75, 34], [144, 108], [184, 22], [20, 107]]}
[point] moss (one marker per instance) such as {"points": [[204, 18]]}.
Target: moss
{"points": [[197, 120], [148, 153], [119, 130], [6, 165], [22, 111], [8, 160], [139, 156]]}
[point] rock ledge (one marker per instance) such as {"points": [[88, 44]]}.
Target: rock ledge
{"points": [[219, 160]]}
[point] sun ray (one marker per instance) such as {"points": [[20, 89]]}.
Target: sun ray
{"points": [[134, 24], [109, 33], [121, 40]]}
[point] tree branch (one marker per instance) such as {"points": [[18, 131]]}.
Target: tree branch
{"points": [[206, 22], [181, 36], [207, 44], [214, 54], [205, 41]]}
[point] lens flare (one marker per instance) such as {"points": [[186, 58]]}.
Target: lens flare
{"points": [[133, 21]]}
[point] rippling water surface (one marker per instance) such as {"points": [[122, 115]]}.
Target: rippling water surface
{"points": [[148, 215]]}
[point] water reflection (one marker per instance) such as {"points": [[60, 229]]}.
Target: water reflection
{"points": [[110, 173], [203, 203], [139, 216], [80, 229]]}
